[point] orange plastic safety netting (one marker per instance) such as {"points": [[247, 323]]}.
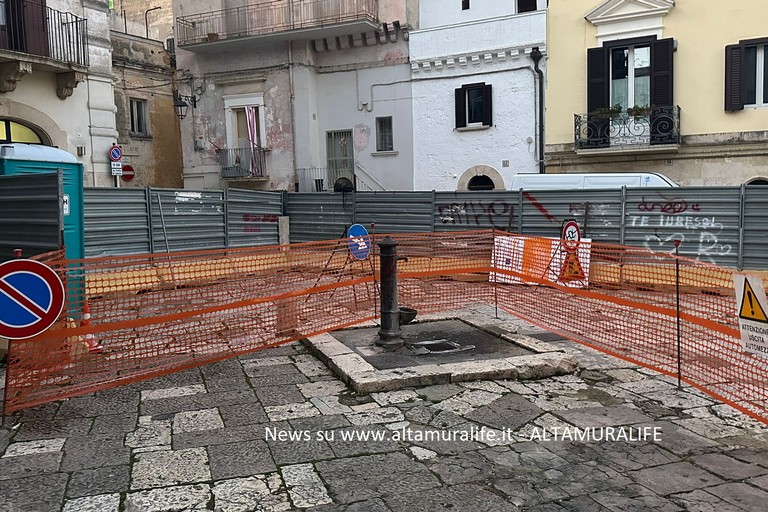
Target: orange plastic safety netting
{"points": [[155, 314]]}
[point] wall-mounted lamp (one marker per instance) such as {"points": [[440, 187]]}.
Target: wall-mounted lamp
{"points": [[181, 103]]}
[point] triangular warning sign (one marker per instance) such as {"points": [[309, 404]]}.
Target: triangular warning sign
{"points": [[751, 309], [571, 270]]}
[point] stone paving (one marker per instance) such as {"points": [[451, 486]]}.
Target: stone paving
{"points": [[277, 431]]}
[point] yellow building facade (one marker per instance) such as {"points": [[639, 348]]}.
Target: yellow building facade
{"points": [[677, 87]]}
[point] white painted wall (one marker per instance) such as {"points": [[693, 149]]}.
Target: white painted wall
{"points": [[500, 46], [437, 13]]}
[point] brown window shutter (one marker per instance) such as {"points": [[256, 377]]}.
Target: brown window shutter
{"points": [[661, 73], [461, 107], [597, 79], [733, 78], [487, 106]]}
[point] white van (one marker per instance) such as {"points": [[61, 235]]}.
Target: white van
{"points": [[592, 180]]}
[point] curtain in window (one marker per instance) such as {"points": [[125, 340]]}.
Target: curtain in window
{"points": [[251, 120]]}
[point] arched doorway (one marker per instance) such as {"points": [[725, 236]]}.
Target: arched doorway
{"points": [[758, 181], [478, 177], [14, 131], [481, 182]]}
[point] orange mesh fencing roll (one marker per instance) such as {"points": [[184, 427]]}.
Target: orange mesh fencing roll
{"points": [[153, 314]]}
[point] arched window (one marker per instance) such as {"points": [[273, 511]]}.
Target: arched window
{"points": [[11, 131], [481, 182], [758, 181]]}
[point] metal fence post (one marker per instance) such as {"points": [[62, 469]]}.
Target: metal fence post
{"points": [[434, 204], [742, 208], [623, 221], [226, 218], [148, 204], [520, 210]]}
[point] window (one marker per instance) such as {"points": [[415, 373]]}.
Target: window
{"points": [[384, 139], [139, 125], [11, 131], [473, 106], [631, 76], [526, 5], [464, 5], [631, 73], [746, 74]]}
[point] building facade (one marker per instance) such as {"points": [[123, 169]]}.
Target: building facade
{"points": [[657, 85], [56, 80], [478, 68], [295, 94], [148, 128]]}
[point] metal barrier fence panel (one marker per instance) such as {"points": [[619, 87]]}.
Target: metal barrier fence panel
{"points": [[116, 221], [155, 314], [252, 217], [187, 219], [394, 212], [488, 209], [754, 243], [706, 220], [319, 216], [598, 213], [30, 217]]}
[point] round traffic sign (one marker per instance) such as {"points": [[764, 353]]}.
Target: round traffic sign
{"points": [[128, 173], [31, 298], [115, 153], [359, 241], [571, 235]]}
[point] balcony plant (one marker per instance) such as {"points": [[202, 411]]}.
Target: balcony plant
{"points": [[607, 112], [639, 111]]}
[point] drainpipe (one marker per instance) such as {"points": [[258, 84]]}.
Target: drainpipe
{"points": [[146, 20], [292, 92], [536, 57]]}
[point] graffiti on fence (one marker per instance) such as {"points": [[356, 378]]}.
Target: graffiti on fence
{"points": [[251, 221], [667, 206], [498, 213], [701, 232]]}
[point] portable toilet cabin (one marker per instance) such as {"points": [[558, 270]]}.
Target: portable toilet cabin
{"points": [[17, 159]]}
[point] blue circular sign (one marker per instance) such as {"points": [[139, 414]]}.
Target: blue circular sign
{"points": [[115, 153], [359, 241]]}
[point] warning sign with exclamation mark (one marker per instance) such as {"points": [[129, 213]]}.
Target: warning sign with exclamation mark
{"points": [[750, 308]]}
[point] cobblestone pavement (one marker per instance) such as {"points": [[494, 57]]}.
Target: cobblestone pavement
{"points": [[276, 431]]}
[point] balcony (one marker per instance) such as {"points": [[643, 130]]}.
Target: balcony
{"points": [[655, 129], [276, 20], [243, 163], [36, 37]]}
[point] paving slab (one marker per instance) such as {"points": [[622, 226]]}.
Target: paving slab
{"points": [[200, 440]]}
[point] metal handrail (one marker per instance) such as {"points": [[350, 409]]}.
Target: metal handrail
{"points": [[245, 162]]}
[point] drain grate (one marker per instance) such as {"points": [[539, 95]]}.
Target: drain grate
{"points": [[439, 347]]}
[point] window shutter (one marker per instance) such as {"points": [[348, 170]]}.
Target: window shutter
{"points": [[597, 78], [733, 78], [661, 73], [487, 106], [461, 108]]}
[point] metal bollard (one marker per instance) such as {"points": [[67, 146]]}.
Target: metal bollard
{"points": [[389, 334]]}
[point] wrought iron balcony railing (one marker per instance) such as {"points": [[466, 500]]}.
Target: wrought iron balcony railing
{"points": [[32, 27], [641, 128], [248, 162], [271, 17]]}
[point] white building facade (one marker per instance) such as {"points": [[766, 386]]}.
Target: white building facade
{"points": [[476, 92], [56, 80]]}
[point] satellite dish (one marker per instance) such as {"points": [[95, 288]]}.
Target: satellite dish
{"points": [[343, 185]]}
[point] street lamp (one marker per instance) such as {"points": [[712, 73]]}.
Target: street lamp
{"points": [[181, 103]]}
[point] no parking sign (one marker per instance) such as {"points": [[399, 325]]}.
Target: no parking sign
{"points": [[31, 298]]}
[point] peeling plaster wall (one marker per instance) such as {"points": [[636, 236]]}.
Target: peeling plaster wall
{"points": [[441, 153], [142, 70]]}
